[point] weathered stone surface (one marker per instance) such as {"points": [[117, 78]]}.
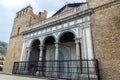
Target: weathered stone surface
{"points": [[105, 25], [23, 18], [96, 3]]}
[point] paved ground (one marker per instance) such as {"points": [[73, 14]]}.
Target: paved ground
{"points": [[13, 77]]}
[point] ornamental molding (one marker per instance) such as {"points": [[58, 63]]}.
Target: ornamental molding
{"points": [[57, 22]]}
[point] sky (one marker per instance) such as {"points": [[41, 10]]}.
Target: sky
{"points": [[9, 8]]}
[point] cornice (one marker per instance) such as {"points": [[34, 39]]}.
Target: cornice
{"points": [[15, 36]]}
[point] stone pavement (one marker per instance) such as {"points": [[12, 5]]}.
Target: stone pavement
{"points": [[13, 77]]}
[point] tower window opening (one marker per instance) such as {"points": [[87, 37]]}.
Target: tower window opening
{"points": [[18, 30]]}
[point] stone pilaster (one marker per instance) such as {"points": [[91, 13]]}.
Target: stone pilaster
{"points": [[77, 41], [56, 58], [28, 50]]}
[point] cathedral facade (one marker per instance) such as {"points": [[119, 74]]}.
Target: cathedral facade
{"points": [[79, 42]]}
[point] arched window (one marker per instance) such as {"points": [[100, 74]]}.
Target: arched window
{"points": [[18, 30]]}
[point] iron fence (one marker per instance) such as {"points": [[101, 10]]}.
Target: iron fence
{"points": [[59, 69]]}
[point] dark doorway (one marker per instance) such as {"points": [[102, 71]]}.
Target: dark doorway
{"points": [[1, 68], [49, 54], [50, 40], [67, 37], [34, 56]]}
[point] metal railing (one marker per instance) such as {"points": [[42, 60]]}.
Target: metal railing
{"points": [[59, 69]]}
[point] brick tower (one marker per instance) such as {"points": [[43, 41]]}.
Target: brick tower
{"points": [[105, 22], [23, 18]]}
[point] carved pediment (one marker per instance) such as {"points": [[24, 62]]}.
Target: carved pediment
{"points": [[68, 7]]}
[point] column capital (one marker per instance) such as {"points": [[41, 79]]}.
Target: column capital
{"points": [[77, 40], [41, 47], [28, 47], [57, 42]]}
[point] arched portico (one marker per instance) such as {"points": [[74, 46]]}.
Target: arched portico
{"points": [[59, 47], [48, 53], [35, 50], [62, 33], [49, 42], [58, 53], [34, 55], [69, 40]]}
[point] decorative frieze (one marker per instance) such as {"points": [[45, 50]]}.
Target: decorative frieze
{"points": [[67, 25], [58, 19]]}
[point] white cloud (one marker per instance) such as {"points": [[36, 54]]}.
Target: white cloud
{"points": [[50, 13], [16, 4]]}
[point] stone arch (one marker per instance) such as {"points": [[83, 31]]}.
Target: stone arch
{"points": [[47, 37], [35, 50], [32, 41], [34, 54], [62, 33], [48, 41]]}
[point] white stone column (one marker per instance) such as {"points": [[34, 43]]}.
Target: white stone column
{"points": [[41, 52], [27, 55], [78, 56], [77, 41], [40, 60], [22, 56], [23, 51], [56, 58], [56, 50]]}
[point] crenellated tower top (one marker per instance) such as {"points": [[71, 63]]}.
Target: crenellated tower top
{"points": [[24, 11]]}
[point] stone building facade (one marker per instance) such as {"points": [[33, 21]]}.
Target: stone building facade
{"points": [[105, 22], [78, 31], [23, 18]]}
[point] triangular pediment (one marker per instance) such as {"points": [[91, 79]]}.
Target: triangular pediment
{"points": [[68, 7]]}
